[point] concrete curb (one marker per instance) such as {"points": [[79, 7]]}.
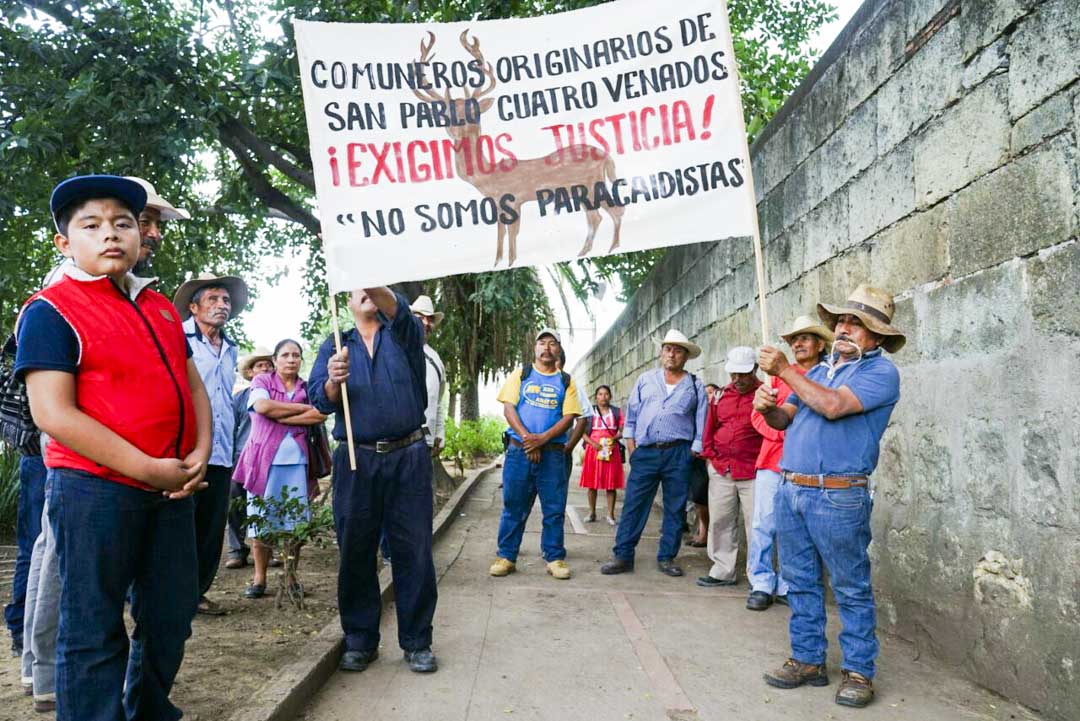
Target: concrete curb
{"points": [[284, 696]]}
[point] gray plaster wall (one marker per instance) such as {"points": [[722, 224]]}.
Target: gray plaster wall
{"points": [[932, 152]]}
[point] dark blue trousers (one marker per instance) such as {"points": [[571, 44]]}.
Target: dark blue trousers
{"points": [[27, 529], [112, 538], [390, 492], [650, 468], [211, 514]]}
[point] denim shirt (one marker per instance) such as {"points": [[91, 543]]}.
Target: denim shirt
{"points": [[653, 416], [218, 373], [387, 388]]}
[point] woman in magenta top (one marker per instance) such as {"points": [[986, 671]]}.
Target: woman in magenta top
{"points": [[274, 459], [602, 469]]}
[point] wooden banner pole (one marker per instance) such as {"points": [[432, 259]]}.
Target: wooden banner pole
{"points": [[344, 388], [759, 256]]}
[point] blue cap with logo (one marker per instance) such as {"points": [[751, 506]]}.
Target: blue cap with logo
{"points": [[83, 187]]}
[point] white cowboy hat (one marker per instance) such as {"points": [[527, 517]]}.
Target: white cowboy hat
{"points": [[423, 306], [261, 353], [238, 292], [874, 307], [153, 200], [806, 324], [675, 337]]}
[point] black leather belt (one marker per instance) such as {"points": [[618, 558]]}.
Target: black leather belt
{"points": [[392, 445], [665, 444]]}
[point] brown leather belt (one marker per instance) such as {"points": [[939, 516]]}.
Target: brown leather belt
{"points": [[543, 449], [832, 483], [392, 445]]}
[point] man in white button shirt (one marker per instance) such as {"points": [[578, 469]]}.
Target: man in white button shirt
{"points": [[435, 426]]}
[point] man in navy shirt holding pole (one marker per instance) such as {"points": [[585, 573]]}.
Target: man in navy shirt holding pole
{"points": [[382, 366]]}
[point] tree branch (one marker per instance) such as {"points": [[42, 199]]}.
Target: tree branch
{"points": [[236, 132], [265, 190]]}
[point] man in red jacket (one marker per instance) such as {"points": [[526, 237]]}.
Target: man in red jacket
{"points": [[731, 445], [808, 340]]}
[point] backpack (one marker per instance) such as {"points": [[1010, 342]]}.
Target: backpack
{"points": [[17, 426], [525, 371]]}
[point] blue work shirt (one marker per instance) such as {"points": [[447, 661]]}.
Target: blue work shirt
{"points": [[814, 445], [218, 372], [387, 389], [653, 416]]}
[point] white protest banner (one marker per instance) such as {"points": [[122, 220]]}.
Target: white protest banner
{"points": [[466, 147]]}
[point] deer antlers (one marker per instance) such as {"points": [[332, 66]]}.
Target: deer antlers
{"points": [[473, 49], [427, 94]]}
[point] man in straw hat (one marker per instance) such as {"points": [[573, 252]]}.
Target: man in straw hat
{"points": [[665, 417], [435, 425], [260, 361], [834, 417], [206, 304], [808, 339]]}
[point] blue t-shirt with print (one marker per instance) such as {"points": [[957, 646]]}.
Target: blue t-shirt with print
{"points": [[815, 445], [541, 401]]}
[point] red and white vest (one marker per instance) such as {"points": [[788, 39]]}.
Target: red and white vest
{"points": [[132, 371]]}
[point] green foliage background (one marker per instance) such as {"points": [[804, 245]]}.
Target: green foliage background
{"points": [[202, 97]]}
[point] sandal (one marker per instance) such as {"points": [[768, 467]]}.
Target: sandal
{"points": [[591, 518], [697, 544], [255, 590], [611, 521]]}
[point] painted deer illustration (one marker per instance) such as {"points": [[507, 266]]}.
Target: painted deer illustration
{"points": [[574, 165]]}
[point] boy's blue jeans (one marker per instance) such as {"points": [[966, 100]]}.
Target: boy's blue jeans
{"points": [[818, 527], [523, 481], [111, 537], [27, 529], [650, 468]]}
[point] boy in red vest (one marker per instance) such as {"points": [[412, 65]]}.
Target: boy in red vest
{"points": [[111, 383]]}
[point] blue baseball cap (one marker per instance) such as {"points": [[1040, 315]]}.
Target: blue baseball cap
{"points": [[82, 187]]}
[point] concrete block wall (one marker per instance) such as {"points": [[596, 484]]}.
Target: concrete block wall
{"points": [[933, 152]]}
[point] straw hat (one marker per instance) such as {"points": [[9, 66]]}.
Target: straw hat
{"points": [[675, 337], [874, 307], [261, 353], [423, 306], [806, 324], [153, 200], [237, 288]]}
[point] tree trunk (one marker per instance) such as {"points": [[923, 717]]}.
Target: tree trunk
{"points": [[470, 400], [452, 413]]}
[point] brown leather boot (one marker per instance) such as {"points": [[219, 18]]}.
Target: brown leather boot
{"points": [[794, 674], [855, 689]]}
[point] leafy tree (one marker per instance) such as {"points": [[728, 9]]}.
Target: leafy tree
{"points": [[202, 97]]}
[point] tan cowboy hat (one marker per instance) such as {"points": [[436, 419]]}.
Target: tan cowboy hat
{"points": [[675, 337], [423, 306], [874, 307], [806, 324], [237, 288], [153, 200], [246, 363]]}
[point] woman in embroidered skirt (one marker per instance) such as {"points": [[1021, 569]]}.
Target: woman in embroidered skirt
{"points": [[602, 469], [275, 457]]}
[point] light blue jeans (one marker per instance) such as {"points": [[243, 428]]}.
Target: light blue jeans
{"points": [[763, 535]]}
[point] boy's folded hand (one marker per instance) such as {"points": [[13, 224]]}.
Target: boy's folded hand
{"points": [[195, 467], [167, 474]]}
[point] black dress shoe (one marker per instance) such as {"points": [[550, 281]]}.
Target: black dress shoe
{"points": [[668, 568], [782, 600], [617, 565], [16, 648], [357, 661], [758, 601], [422, 661], [255, 590], [710, 582]]}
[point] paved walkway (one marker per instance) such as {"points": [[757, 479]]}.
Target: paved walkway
{"points": [[636, 646]]}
